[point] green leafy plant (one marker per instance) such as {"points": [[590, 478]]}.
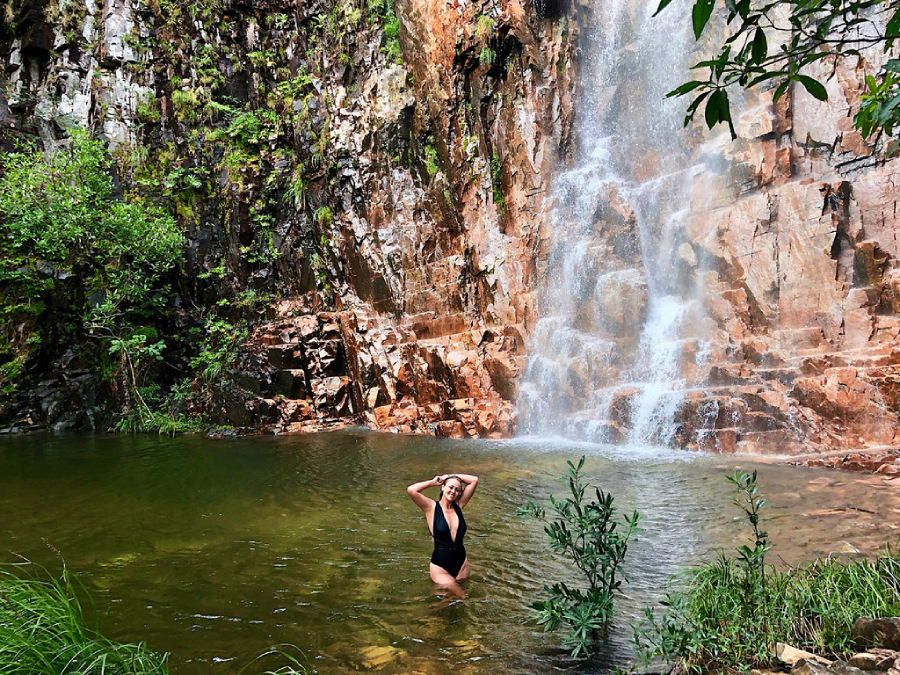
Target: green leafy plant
{"points": [[43, 630], [587, 533], [804, 32], [432, 161], [497, 183], [384, 9], [162, 413], [219, 348], [878, 108], [324, 216], [728, 614], [70, 247], [484, 27]]}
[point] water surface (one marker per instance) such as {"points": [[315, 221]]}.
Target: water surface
{"points": [[214, 550]]}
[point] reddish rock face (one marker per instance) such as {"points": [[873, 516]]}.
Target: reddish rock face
{"points": [[439, 227], [386, 377], [799, 277], [794, 249]]}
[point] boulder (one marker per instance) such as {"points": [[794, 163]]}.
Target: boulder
{"points": [[791, 655], [875, 659], [884, 632]]}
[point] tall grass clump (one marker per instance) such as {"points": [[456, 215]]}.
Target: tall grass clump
{"points": [[43, 631], [728, 614]]}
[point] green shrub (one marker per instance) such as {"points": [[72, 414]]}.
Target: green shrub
{"points": [[161, 412], [62, 211], [71, 247], [384, 9], [587, 533], [729, 613], [220, 342]]}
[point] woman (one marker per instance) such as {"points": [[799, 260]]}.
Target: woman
{"points": [[445, 521]]}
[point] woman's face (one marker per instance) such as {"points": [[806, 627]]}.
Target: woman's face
{"points": [[453, 488]]}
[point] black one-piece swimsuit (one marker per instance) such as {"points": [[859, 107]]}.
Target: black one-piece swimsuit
{"points": [[449, 554]]}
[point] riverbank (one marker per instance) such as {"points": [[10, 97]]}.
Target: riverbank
{"points": [[742, 611]]}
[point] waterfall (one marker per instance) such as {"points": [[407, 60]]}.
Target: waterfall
{"points": [[621, 338]]}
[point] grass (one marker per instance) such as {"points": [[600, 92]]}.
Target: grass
{"points": [[43, 632], [729, 613], [156, 411], [724, 622]]}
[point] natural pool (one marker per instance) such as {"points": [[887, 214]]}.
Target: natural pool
{"points": [[214, 550]]}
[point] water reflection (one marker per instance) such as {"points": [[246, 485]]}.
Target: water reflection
{"points": [[215, 550]]}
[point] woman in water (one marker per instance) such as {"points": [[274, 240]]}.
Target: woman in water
{"points": [[447, 526]]}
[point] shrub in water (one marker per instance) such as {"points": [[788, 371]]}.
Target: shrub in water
{"points": [[587, 533]]}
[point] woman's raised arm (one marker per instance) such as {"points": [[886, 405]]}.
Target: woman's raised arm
{"points": [[415, 492]]}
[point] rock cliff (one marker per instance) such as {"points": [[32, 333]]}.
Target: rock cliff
{"points": [[377, 170], [366, 184], [796, 245]]}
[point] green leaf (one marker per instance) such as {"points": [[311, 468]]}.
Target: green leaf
{"points": [[662, 5], [685, 88], [700, 15], [892, 30], [714, 108], [760, 48], [780, 90], [814, 87]]}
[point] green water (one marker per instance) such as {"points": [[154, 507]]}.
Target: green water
{"points": [[214, 550]]}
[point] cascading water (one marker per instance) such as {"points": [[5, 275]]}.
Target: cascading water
{"points": [[622, 330]]}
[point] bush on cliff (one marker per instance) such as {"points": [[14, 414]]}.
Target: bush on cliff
{"points": [[81, 264], [731, 612]]}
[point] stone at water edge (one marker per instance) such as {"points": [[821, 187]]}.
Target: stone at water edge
{"points": [[875, 659], [804, 667], [791, 655], [884, 632]]}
